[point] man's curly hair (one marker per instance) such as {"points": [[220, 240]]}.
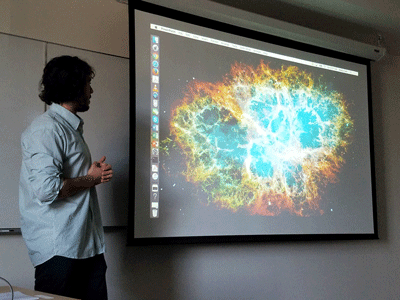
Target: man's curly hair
{"points": [[64, 79]]}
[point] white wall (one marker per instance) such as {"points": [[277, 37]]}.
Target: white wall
{"points": [[290, 270], [96, 25]]}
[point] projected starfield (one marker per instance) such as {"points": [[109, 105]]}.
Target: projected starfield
{"points": [[262, 140]]}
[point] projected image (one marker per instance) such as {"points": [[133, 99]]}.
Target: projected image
{"points": [[262, 140], [242, 137]]}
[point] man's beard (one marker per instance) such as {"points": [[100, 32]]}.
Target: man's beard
{"points": [[83, 105]]}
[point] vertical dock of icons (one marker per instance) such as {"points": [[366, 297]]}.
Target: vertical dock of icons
{"points": [[155, 120]]}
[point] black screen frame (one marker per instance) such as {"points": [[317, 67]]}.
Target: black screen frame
{"points": [[213, 24]]}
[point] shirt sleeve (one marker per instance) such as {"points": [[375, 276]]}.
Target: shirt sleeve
{"points": [[42, 156]]}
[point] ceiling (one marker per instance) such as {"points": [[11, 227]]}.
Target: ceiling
{"points": [[375, 22]]}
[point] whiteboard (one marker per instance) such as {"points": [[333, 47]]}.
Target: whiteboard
{"points": [[106, 128], [21, 66]]}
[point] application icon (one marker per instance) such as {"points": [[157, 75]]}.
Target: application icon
{"points": [[154, 187], [155, 64], [154, 160], [155, 103], [155, 71], [155, 119], [155, 213], [155, 39], [154, 144], [155, 112], [155, 151], [155, 135], [155, 196], [155, 56], [155, 48], [154, 205], [155, 95], [155, 127], [154, 176], [155, 79], [154, 168], [155, 88]]}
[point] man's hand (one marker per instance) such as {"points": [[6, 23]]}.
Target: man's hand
{"points": [[100, 171], [107, 172]]}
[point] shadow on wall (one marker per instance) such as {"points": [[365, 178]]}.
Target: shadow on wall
{"points": [[381, 83], [149, 271]]}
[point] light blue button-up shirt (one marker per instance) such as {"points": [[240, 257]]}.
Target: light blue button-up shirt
{"points": [[53, 148]]}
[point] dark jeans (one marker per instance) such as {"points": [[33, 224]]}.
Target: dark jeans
{"points": [[76, 278]]}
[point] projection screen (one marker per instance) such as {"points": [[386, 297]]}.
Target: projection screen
{"points": [[242, 136]]}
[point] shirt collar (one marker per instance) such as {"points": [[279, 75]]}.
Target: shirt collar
{"points": [[75, 121]]}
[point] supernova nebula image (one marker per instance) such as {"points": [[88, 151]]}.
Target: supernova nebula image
{"points": [[261, 140]]}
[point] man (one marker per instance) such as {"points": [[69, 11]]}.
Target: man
{"points": [[60, 216]]}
